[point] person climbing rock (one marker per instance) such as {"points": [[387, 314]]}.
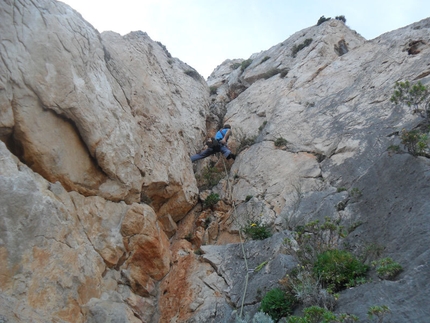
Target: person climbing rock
{"points": [[217, 144]]}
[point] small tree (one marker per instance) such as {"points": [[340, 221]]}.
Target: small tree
{"points": [[415, 96]]}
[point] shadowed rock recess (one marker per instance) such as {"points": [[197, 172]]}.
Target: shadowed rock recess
{"points": [[103, 217]]}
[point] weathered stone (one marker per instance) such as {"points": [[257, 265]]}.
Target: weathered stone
{"points": [[149, 258]]}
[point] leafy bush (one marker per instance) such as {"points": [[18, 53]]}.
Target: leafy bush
{"points": [[339, 269], [248, 197], [415, 142], [379, 312], [277, 304], [387, 268], [235, 66], [316, 314], [284, 72], [209, 177], [279, 142], [265, 59], [213, 90], [307, 289], [193, 73], [297, 48], [211, 200], [415, 96], [341, 18], [322, 20], [314, 238], [257, 231], [245, 64]]}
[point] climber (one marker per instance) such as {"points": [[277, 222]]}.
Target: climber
{"points": [[217, 144]]}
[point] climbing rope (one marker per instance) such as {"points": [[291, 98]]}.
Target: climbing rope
{"points": [[230, 194]]}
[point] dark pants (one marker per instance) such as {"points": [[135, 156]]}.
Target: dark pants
{"points": [[206, 153]]}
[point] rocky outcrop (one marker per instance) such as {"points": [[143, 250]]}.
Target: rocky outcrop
{"points": [[86, 110], [99, 212]]}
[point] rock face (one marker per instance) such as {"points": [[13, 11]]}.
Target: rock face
{"points": [[99, 212]]}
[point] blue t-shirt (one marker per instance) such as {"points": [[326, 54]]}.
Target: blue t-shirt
{"points": [[221, 133]]}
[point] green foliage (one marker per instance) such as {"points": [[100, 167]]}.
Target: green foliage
{"points": [[322, 20], [235, 66], [257, 231], [387, 268], [262, 125], [316, 314], [307, 288], [297, 48], [271, 73], [284, 72], [277, 304], [415, 142], [378, 312], [193, 73], [339, 269], [341, 18], [245, 64], [415, 96], [213, 90], [265, 59], [209, 177], [260, 266], [355, 193], [245, 142], [341, 189], [280, 142], [211, 200], [393, 149], [248, 197], [164, 49], [314, 238]]}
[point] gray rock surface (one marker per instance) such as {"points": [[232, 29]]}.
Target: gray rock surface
{"points": [[95, 178]]}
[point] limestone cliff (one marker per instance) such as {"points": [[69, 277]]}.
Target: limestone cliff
{"points": [[100, 211]]}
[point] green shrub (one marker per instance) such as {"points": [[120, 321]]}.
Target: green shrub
{"points": [[211, 200], [245, 64], [264, 59], [297, 48], [341, 189], [209, 177], [415, 142], [213, 90], [314, 238], [339, 269], [341, 18], [322, 20], [257, 231], [277, 304], [248, 197], [316, 314], [193, 73], [387, 268], [260, 128], [355, 193], [164, 49], [235, 66], [393, 149], [284, 72], [378, 312], [280, 142], [415, 96]]}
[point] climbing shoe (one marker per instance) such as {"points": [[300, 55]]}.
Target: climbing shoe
{"points": [[231, 156]]}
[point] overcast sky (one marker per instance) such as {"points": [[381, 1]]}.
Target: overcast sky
{"points": [[203, 33]]}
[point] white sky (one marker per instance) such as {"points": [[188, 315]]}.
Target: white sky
{"points": [[204, 33]]}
